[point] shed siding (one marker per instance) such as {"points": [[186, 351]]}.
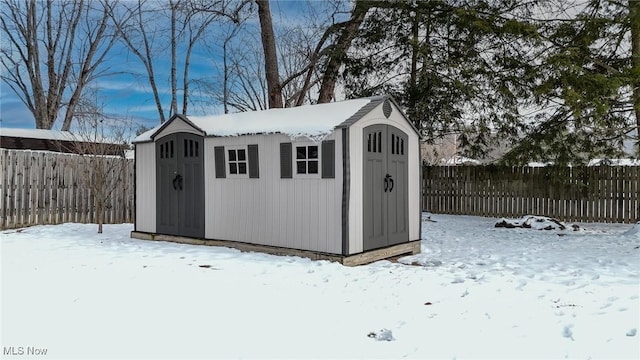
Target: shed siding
{"points": [[146, 187], [294, 213], [376, 116]]}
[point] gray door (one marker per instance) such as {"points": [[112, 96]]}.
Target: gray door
{"points": [[385, 187], [180, 185]]}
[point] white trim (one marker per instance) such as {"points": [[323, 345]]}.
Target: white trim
{"points": [[227, 160], [294, 159], [145, 169], [356, 144]]}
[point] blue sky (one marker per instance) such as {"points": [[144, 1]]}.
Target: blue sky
{"points": [[127, 93]]}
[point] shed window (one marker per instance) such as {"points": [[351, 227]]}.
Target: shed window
{"points": [[307, 159], [190, 148], [166, 150], [374, 142], [237, 161], [397, 145]]}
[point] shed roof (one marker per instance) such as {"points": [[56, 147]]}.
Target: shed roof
{"points": [[313, 121], [57, 141], [38, 134]]}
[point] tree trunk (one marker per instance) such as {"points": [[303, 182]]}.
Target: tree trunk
{"points": [[100, 216], [225, 80], [412, 91], [634, 16], [337, 55], [415, 48], [174, 81], [270, 55], [185, 83]]}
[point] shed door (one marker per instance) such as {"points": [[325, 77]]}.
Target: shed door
{"points": [[385, 187], [180, 185]]}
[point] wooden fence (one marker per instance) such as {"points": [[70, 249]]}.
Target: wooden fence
{"points": [[584, 194], [51, 188]]}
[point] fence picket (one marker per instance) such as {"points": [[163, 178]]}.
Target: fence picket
{"points": [[585, 194], [47, 188]]}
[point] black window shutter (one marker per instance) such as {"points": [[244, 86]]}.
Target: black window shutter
{"points": [[329, 159], [286, 171], [218, 153], [254, 165]]}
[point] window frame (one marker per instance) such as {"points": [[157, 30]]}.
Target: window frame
{"points": [[294, 159], [228, 161]]}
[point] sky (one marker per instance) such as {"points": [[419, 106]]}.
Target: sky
{"points": [[126, 93]]}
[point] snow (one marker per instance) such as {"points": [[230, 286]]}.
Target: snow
{"points": [[459, 160], [536, 222], [595, 162], [635, 230], [482, 292], [614, 162], [54, 135], [37, 134], [313, 121]]}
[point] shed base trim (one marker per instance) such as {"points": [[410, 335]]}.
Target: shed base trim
{"points": [[409, 248]]}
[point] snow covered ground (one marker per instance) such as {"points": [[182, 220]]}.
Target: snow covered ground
{"points": [[479, 292]]}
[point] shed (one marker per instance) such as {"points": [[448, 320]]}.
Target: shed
{"points": [[337, 181]]}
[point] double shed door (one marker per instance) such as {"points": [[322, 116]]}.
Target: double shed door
{"points": [[385, 187], [180, 185]]}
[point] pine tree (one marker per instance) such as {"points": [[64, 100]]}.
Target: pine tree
{"points": [[457, 66], [552, 80], [583, 88]]}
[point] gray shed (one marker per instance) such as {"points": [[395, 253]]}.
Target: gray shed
{"points": [[337, 181]]}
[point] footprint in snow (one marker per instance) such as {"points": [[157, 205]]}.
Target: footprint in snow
{"points": [[632, 332], [566, 332]]}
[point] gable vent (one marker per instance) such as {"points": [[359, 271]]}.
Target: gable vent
{"points": [[386, 108]]}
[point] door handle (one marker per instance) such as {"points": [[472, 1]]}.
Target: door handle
{"points": [[388, 183], [177, 182]]}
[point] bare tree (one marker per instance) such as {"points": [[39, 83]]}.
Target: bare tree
{"points": [[147, 37], [329, 53], [439, 151], [302, 50], [241, 84], [52, 51], [247, 89], [138, 30], [101, 142]]}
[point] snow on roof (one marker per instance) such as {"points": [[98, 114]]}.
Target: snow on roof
{"points": [[595, 162], [54, 135], [460, 160], [37, 134], [614, 162], [313, 121]]}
